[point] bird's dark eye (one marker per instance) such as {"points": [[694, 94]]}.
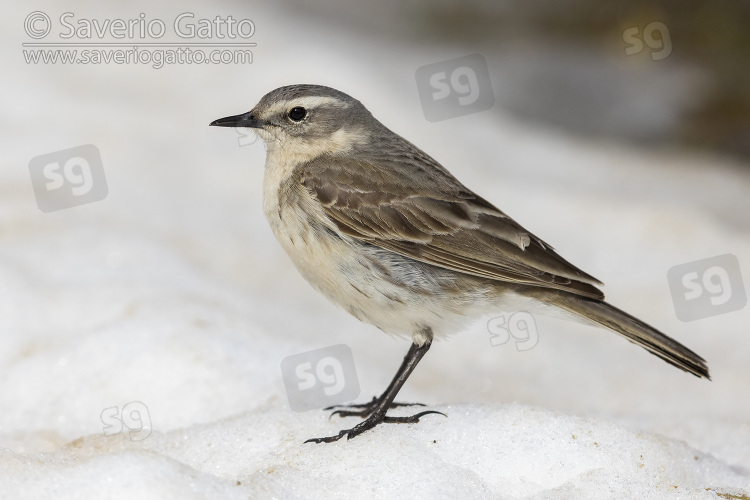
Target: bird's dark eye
{"points": [[297, 113]]}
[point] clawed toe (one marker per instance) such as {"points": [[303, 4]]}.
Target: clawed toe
{"points": [[371, 422], [329, 439], [366, 409], [347, 413], [372, 403], [413, 419]]}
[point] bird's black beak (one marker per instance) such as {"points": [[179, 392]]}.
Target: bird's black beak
{"points": [[243, 120]]}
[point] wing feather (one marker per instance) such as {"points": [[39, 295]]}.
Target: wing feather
{"points": [[436, 220]]}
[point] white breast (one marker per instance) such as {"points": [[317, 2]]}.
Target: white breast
{"points": [[375, 289], [315, 256]]}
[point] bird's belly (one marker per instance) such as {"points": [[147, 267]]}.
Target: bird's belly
{"points": [[397, 294]]}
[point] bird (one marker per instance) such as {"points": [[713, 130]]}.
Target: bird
{"points": [[383, 230]]}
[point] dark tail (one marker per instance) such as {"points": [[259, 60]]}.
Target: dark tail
{"points": [[629, 327]]}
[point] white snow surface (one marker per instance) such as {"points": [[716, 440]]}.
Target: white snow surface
{"points": [[173, 292]]}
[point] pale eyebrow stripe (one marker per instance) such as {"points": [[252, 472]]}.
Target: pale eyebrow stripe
{"points": [[310, 102]]}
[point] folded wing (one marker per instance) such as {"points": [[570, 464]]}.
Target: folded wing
{"points": [[416, 208]]}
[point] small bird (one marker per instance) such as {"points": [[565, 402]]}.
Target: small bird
{"points": [[384, 231]]}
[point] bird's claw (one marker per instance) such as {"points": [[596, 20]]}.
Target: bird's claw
{"points": [[371, 422], [366, 408]]}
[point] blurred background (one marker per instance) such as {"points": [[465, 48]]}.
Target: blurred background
{"points": [[593, 68], [619, 132]]}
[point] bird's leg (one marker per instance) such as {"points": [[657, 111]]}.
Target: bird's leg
{"points": [[365, 409], [377, 414]]}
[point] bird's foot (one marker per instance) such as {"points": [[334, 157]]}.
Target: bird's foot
{"points": [[365, 409], [374, 419]]}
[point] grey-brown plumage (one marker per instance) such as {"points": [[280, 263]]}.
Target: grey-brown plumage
{"points": [[386, 232]]}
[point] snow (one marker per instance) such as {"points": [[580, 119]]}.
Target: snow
{"points": [[172, 292], [524, 453]]}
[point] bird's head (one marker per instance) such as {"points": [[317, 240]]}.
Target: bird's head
{"points": [[307, 120]]}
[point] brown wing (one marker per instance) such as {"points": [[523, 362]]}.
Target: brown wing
{"points": [[414, 207]]}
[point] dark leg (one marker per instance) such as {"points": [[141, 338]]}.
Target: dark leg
{"points": [[366, 409], [378, 414]]}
